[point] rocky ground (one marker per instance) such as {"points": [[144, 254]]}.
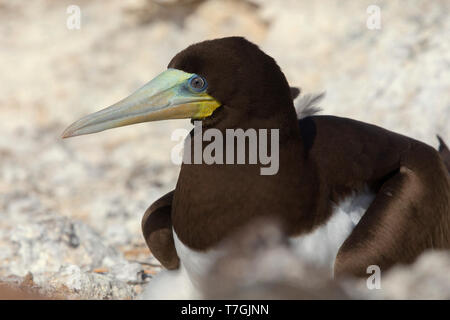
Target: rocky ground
{"points": [[70, 209]]}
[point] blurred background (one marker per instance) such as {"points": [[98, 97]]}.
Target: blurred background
{"points": [[70, 210]]}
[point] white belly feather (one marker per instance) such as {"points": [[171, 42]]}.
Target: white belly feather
{"points": [[321, 246]]}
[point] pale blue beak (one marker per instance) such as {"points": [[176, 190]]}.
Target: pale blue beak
{"points": [[168, 96]]}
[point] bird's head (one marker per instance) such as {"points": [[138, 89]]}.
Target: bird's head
{"points": [[222, 80]]}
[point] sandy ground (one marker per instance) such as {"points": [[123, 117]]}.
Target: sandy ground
{"points": [[71, 209]]}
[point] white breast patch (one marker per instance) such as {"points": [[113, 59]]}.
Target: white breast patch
{"points": [[181, 284], [195, 262], [321, 246]]}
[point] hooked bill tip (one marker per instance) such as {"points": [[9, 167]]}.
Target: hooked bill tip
{"points": [[65, 135], [68, 133]]}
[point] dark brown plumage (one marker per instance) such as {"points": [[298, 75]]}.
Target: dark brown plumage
{"points": [[444, 152], [157, 230], [322, 160]]}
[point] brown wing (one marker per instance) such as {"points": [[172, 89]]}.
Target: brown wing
{"points": [[410, 213], [157, 230]]}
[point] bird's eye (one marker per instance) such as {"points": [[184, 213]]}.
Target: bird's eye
{"points": [[198, 83]]}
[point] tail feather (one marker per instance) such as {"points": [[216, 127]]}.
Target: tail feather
{"points": [[444, 152]]}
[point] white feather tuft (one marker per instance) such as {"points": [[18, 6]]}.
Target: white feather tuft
{"points": [[306, 105], [171, 285]]}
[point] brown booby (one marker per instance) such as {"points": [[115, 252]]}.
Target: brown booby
{"points": [[349, 194]]}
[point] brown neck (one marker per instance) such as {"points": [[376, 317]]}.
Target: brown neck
{"points": [[212, 201]]}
